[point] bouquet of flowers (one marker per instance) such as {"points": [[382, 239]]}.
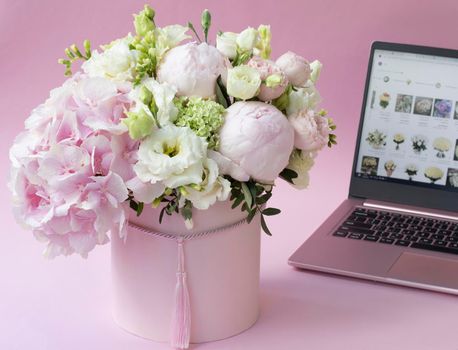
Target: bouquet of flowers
{"points": [[390, 167], [369, 165], [441, 145], [156, 119], [398, 139], [376, 139], [419, 144], [411, 171], [384, 100], [442, 108], [433, 173]]}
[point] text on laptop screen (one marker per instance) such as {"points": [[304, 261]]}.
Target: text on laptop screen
{"points": [[410, 129]]}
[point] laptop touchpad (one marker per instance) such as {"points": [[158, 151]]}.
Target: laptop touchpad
{"points": [[426, 269]]}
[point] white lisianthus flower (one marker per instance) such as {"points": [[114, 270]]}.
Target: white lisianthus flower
{"points": [[212, 188], [315, 66], [296, 68], [247, 39], [193, 69], [145, 192], [172, 155], [116, 62], [301, 162], [226, 44], [307, 97], [243, 82]]}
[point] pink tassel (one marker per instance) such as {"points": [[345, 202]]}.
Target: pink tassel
{"points": [[181, 320]]}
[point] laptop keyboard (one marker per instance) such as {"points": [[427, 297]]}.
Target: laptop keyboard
{"points": [[401, 230]]}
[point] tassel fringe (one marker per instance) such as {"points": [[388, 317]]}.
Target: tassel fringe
{"points": [[181, 318]]}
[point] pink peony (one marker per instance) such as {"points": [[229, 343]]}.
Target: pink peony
{"points": [[269, 70], [296, 68], [258, 138], [64, 166], [311, 130], [193, 69]]}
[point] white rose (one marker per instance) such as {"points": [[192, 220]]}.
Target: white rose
{"points": [[296, 68], [247, 39], [212, 188], [243, 82], [226, 44], [301, 162], [315, 66], [117, 62], [307, 97], [193, 69], [172, 155]]}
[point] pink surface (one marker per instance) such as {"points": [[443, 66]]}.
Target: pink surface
{"points": [[65, 304]]}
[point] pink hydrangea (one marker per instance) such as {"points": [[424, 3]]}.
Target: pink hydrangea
{"points": [[70, 166]]}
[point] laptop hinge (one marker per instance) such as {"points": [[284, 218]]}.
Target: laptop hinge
{"points": [[410, 210]]}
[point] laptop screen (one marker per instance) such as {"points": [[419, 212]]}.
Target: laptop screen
{"points": [[410, 128]]}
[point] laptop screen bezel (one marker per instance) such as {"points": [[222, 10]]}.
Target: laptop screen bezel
{"points": [[389, 191]]}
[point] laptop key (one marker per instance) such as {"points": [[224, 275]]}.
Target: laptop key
{"points": [[340, 233], [402, 243], [386, 240], [355, 235], [434, 248], [425, 241], [357, 224], [370, 238]]}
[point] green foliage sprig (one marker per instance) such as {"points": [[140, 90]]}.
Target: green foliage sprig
{"points": [[74, 54], [252, 197]]}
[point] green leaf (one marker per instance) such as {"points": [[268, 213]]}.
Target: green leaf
{"points": [[288, 175], [264, 198], [253, 190], [237, 202], [271, 211], [140, 208], [264, 226], [186, 211], [133, 205], [247, 195], [161, 215], [251, 215], [221, 94]]}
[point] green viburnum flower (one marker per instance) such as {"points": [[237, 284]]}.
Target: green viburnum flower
{"points": [[144, 21], [263, 44], [151, 42], [204, 117], [139, 123]]}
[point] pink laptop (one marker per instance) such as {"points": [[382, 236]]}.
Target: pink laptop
{"points": [[399, 223]]}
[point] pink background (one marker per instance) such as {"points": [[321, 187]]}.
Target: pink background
{"points": [[65, 304]]}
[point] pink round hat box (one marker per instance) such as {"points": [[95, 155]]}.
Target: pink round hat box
{"points": [[222, 270]]}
